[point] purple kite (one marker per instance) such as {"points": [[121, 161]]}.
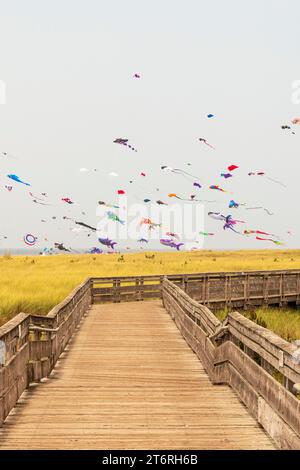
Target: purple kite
{"points": [[107, 242], [170, 243]]}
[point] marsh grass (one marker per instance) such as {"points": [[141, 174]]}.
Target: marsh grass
{"points": [[285, 322], [34, 284]]}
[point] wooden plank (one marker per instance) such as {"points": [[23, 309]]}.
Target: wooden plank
{"points": [[129, 380]]}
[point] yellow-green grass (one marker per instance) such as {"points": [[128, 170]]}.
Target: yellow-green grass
{"points": [[35, 284], [285, 322]]}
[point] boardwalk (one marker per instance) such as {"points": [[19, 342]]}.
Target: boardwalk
{"points": [[128, 380]]}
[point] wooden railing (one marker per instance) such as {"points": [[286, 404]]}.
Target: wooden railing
{"points": [[261, 367], [237, 352], [31, 345], [216, 290]]}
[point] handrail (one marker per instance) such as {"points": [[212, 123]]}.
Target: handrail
{"points": [[247, 357]]}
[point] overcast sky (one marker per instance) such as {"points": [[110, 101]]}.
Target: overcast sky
{"points": [[68, 67]]}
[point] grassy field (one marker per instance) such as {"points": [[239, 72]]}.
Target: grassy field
{"points": [[35, 284]]}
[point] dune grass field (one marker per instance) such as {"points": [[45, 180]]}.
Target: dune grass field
{"points": [[34, 284]]}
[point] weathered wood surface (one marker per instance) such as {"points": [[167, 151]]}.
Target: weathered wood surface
{"points": [[245, 356], [128, 380], [216, 290], [32, 345]]}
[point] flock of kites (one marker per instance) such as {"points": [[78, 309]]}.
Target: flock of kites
{"points": [[171, 239]]}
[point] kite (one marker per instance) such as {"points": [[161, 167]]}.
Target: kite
{"points": [[30, 239], [172, 234], [233, 204], [9, 188], [178, 171], [143, 240], [143, 174], [232, 167], [150, 223], [229, 221], [262, 173], [82, 224], [61, 247], [285, 127], [270, 240], [197, 185], [161, 203], [67, 200], [213, 186], [258, 232], [136, 75], [5, 154], [170, 243], [206, 143], [191, 199], [95, 251], [124, 142], [226, 175], [112, 206], [210, 116], [114, 217], [120, 191], [147, 200], [206, 234], [17, 179], [263, 208], [107, 242]]}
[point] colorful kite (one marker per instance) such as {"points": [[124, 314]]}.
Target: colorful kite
{"points": [[232, 167], [67, 200], [173, 235], [114, 217], [210, 116], [95, 251], [17, 179], [213, 186], [170, 243], [30, 239], [226, 175], [107, 242], [149, 222], [125, 143], [233, 204], [229, 221], [270, 240], [206, 234]]}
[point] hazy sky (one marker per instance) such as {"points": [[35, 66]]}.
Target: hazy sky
{"points": [[68, 68]]}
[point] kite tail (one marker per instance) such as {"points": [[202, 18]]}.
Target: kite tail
{"points": [[276, 181], [178, 246]]}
